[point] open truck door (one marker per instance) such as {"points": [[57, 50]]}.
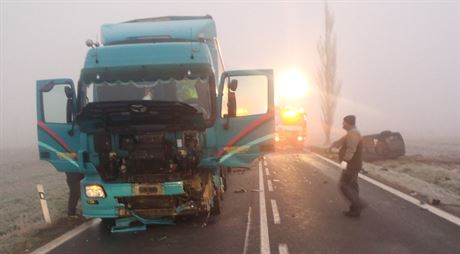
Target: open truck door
{"points": [[58, 138], [245, 128]]}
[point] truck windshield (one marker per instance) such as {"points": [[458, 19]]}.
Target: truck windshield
{"points": [[195, 92]]}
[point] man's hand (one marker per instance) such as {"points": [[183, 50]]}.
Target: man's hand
{"points": [[343, 164]]}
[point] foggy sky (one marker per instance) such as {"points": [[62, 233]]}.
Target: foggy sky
{"points": [[399, 62]]}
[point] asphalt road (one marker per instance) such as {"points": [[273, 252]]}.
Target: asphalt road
{"points": [[301, 213]]}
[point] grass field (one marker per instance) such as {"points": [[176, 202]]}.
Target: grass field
{"points": [[20, 211]]}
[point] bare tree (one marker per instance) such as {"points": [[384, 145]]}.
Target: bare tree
{"points": [[329, 87]]}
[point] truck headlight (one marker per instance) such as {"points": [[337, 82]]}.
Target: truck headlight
{"points": [[94, 191], [277, 139], [299, 138]]}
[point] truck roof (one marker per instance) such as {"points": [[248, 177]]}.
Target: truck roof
{"points": [[170, 28], [148, 61]]}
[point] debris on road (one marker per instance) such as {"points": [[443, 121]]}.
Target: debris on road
{"points": [[240, 190], [256, 190]]}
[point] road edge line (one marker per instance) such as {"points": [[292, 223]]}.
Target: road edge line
{"points": [[65, 237], [441, 213]]}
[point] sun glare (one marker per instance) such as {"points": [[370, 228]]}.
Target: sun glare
{"points": [[292, 84]]}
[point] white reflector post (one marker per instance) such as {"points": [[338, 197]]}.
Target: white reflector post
{"points": [[45, 210]]}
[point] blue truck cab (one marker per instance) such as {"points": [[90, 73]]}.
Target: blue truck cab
{"points": [[154, 120]]}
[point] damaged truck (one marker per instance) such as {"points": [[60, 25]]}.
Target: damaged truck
{"points": [[154, 121]]}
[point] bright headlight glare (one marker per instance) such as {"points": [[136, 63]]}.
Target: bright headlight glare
{"points": [[277, 139], [94, 191], [299, 138]]}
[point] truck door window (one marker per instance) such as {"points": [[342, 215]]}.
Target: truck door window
{"points": [[54, 104], [251, 95]]}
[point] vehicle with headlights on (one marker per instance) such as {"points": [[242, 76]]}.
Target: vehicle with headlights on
{"points": [[291, 130], [155, 121]]}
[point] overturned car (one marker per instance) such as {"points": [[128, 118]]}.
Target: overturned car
{"points": [[385, 145]]}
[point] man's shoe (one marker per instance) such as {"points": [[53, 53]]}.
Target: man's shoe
{"points": [[351, 214]]}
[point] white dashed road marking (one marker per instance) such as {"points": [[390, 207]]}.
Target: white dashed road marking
{"points": [[270, 185], [276, 214], [283, 248], [248, 227], [264, 240]]}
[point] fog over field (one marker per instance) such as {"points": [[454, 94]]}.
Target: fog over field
{"points": [[398, 61]]}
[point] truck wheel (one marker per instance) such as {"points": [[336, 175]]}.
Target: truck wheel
{"points": [[216, 209], [224, 173], [107, 223]]}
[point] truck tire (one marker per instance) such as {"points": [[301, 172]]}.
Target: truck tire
{"points": [[107, 223], [216, 208], [224, 172]]}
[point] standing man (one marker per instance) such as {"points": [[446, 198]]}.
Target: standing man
{"points": [[73, 181], [351, 163]]}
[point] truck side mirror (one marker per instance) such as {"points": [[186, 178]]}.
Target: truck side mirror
{"points": [[233, 85], [231, 100], [69, 107], [231, 104], [68, 92]]}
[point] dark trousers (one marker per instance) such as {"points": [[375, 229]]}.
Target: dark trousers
{"points": [[73, 181], [350, 189]]}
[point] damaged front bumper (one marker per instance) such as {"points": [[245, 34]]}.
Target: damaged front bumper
{"points": [[135, 205], [150, 201]]}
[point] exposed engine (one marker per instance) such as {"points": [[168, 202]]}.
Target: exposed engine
{"points": [[148, 157]]}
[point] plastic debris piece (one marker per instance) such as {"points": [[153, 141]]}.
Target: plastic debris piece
{"points": [[256, 190], [412, 193], [240, 190], [163, 238], [276, 180]]}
